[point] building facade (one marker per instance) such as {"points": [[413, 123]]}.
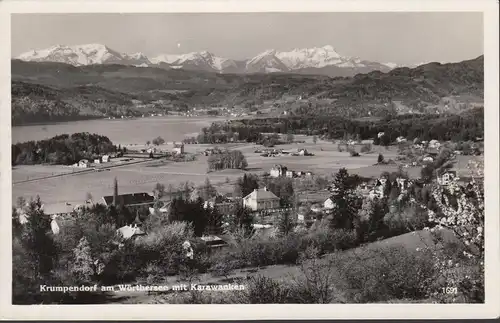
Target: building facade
{"points": [[261, 199]]}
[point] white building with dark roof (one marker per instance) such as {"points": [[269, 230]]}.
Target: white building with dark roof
{"points": [[261, 199]]}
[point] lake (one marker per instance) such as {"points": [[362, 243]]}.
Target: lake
{"points": [[119, 131]]}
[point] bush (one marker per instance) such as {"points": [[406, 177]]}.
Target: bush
{"points": [[380, 275], [263, 290], [411, 218], [380, 158], [316, 284], [163, 247], [326, 240]]}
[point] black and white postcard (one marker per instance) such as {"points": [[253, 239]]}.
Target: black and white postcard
{"points": [[320, 160]]}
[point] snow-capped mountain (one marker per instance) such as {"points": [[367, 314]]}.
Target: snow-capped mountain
{"points": [[203, 60], [317, 60], [87, 54], [266, 62], [310, 57]]}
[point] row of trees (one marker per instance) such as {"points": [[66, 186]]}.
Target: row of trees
{"points": [[457, 127], [233, 159], [62, 149]]}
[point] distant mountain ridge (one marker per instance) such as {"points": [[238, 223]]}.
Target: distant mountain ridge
{"points": [[318, 60], [56, 91]]}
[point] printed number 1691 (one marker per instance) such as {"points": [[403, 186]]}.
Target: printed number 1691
{"points": [[449, 290]]}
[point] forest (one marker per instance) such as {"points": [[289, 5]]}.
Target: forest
{"points": [[466, 126], [62, 149]]}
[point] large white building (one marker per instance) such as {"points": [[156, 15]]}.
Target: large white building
{"points": [[261, 199]]}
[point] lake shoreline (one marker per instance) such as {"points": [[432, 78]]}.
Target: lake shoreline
{"points": [[119, 131]]}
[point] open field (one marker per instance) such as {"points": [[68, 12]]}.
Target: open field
{"points": [[143, 176]]}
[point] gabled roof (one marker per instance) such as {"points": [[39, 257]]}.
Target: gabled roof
{"points": [[262, 194], [130, 199], [58, 208]]}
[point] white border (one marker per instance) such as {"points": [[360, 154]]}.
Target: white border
{"points": [[490, 309]]}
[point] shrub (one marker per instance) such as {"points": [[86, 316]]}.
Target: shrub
{"points": [[325, 239], [354, 153], [379, 275], [263, 290], [163, 247], [412, 218], [380, 158], [316, 284]]}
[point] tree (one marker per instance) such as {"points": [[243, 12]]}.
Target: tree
{"points": [[159, 190], [346, 201], [148, 143], [380, 158], [82, 266], [182, 209], [34, 254], [151, 155], [246, 184], [242, 219], [289, 137], [88, 197], [207, 190], [286, 223], [158, 141], [115, 192]]}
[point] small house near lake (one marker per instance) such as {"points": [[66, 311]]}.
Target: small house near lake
{"points": [[278, 171], [178, 149], [84, 163]]}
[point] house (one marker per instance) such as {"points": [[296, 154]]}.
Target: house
{"points": [[380, 134], [289, 173], [97, 161], [329, 204], [400, 139], [178, 149], [261, 199], [222, 204], [213, 241], [302, 152], [105, 158], [84, 163], [447, 178], [278, 171], [129, 231], [133, 199], [163, 208]]}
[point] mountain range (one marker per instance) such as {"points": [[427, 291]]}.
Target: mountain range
{"points": [[49, 91], [318, 60]]}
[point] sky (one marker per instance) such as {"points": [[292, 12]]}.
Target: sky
{"points": [[402, 38]]}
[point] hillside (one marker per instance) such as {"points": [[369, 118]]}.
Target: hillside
{"points": [[97, 90]]}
